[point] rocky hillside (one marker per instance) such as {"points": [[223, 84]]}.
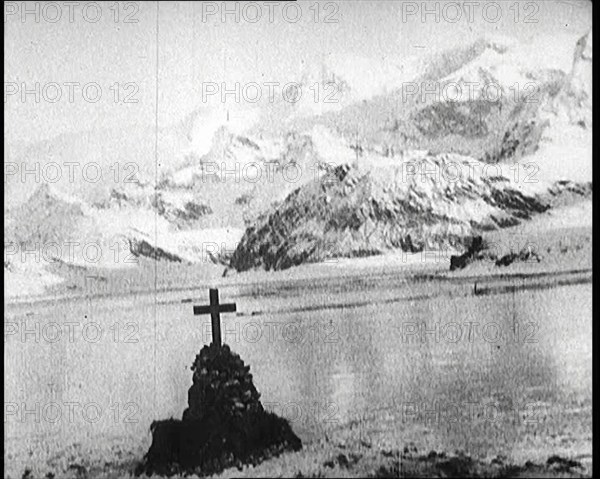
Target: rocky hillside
{"points": [[353, 212]]}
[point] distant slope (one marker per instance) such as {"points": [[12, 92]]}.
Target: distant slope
{"points": [[30, 224]]}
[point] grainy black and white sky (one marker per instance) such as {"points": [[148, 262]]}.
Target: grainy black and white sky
{"points": [[173, 48]]}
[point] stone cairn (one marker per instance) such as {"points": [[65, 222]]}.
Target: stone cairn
{"points": [[225, 424]]}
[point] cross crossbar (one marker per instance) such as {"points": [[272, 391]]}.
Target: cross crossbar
{"points": [[214, 309], [223, 308]]}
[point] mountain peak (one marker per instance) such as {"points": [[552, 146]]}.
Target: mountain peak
{"points": [[48, 192]]}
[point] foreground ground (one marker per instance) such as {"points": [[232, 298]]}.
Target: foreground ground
{"points": [[343, 456]]}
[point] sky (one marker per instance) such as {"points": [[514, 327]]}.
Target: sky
{"points": [[149, 61]]}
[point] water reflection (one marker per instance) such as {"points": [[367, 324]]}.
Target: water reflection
{"points": [[371, 370], [477, 392]]}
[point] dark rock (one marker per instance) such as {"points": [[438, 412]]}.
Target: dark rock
{"points": [[437, 464], [525, 255], [460, 466], [460, 262], [562, 464], [342, 460], [140, 247]]}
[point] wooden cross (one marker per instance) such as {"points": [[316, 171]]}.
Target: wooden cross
{"points": [[215, 309]]}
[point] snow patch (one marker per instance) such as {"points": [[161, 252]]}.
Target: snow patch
{"points": [[331, 148], [27, 277]]}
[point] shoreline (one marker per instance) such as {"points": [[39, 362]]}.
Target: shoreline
{"points": [[348, 451], [437, 274]]}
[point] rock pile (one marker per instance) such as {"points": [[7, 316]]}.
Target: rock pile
{"points": [[224, 425], [222, 384]]}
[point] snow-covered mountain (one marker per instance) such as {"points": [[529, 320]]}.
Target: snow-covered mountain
{"points": [[196, 213], [482, 100], [261, 167], [412, 205], [565, 146], [362, 213], [52, 227]]}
